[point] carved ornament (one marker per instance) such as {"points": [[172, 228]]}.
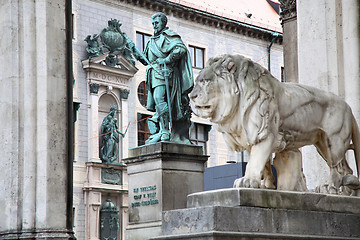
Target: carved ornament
{"points": [[288, 9]]}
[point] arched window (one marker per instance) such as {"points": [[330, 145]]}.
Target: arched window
{"points": [[142, 93]]}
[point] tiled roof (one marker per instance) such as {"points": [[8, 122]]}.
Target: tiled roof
{"points": [[262, 14]]}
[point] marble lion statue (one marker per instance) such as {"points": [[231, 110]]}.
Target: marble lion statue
{"points": [[257, 113]]}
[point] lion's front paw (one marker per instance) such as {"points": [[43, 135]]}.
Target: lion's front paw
{"points": [[327, 189], [246, 183]]}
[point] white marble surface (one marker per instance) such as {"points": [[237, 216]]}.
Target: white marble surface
{"points": [[328, 58], [33, 117]]}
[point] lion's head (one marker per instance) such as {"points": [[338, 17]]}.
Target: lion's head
{"points": [[210, 96], [228, 89]]}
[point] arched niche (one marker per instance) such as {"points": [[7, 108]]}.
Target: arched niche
{"points": [[106, 100]]}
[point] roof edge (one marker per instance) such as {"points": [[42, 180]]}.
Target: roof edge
{"points": [[202, 17]]}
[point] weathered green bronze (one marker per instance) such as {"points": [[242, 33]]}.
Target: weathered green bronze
{"points": [[124, 93], [109, 221], [111, 38], [94, 88], [109, 133], [167, 58], [93, 48]]}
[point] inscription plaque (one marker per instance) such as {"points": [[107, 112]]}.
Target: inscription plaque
{"points": [[145, 196], [111, 176]]}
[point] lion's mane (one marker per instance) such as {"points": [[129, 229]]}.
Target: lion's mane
{"points": [[254, 87]]}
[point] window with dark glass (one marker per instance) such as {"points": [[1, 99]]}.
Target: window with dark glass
{"points": [[73, 218], [141, 40], [199, 134], [76, 107], [142, 93], [197, 56], [143, 131], [72, 26], [282, 74]]}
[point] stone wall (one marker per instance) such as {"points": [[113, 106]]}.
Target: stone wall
{"points": [[328, 58]]}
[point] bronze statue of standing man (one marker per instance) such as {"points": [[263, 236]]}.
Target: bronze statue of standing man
{"points": [[169, 79]]}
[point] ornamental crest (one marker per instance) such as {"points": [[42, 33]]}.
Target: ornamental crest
{"points": [[112, 39]]}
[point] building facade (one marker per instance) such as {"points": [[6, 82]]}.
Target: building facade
{"points": [[208, 29]]}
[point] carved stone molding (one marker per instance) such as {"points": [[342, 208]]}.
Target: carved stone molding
{"points": [[110, 77], [288, 9], [107, 178]]}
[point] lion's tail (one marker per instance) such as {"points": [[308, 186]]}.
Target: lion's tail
{"points": [[356, 144]]}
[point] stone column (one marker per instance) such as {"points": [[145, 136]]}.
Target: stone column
{"points": [[93, 203], [328, 58], [92, 189], [351, 45], [124, 214], [94, 123], [161, 176], [289, 23], [320, 54], [313, 71], [125, 121], [34, 202], [350, 11]]}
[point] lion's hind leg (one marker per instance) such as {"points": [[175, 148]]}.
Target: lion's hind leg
{"points": [[288, 165], [268, 181], [333, 150]]}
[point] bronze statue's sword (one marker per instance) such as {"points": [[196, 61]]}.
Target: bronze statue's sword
{"points": [[166, 74]]}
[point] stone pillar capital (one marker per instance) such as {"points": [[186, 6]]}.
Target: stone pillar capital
{"points": [[288, 10], [124, 94], [94, 88]]}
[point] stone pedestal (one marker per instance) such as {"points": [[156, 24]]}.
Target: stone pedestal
{"points": [[161, 176], [104, 181], [263, 214]]}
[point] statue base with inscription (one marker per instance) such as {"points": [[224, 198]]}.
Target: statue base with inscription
{"points": [[161, 175], [263, 214]]}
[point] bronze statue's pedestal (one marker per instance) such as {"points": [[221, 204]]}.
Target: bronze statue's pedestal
{"points": [[263, 214], [161, 175]]}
